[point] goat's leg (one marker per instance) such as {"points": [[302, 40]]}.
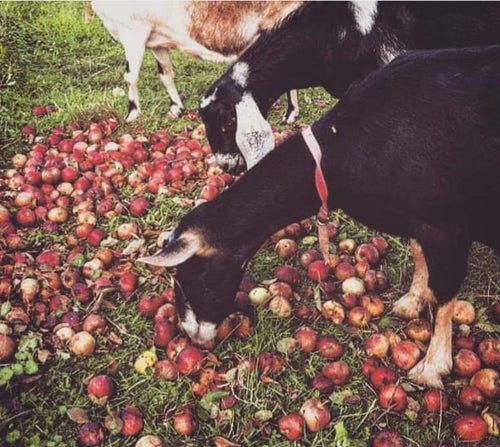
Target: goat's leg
{"points": [[446, 256], [410, 305], [166, 71], [292, 111], [134, 52]]}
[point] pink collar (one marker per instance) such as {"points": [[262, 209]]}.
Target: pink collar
{"points": [[322, 188]]}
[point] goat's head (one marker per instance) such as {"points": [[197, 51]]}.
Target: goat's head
{"points": [[206, 282], [233, 121]]}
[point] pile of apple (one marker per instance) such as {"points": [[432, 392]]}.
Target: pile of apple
{"points": [[71, 183]]}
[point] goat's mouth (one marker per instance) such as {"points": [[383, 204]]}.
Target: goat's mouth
{"points": [[233, 163]]}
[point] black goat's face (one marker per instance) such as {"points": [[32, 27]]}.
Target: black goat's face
{"points": [[206, 283], [235, 127]]}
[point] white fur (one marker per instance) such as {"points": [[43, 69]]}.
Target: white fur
{"points": [[208, 99], [198, 331], [387, 53], [254, 136], [365, 12], [240, 74], [228, 161]]}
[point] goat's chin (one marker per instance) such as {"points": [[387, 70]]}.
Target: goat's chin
{"points": [[234, 163]]}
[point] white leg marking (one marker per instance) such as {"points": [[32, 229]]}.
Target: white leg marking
{"points": [[410, 305], [294, 107], [365, 12], [162, 55], [438, 360], [134, 52]]}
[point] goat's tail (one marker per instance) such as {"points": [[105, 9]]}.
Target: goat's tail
{"points": [[88, 13]]}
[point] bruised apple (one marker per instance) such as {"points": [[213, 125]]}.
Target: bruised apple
{"points": [[316, 414], [291, 426]]}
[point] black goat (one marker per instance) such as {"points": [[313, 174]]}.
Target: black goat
{"points": [[413, 149], [329, 44]]}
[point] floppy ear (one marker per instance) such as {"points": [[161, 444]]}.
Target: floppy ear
{"points": [[254, 135], [176, 252]]}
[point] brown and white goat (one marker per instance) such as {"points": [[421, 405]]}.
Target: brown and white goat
{"points": [[212, 31], [413, 150]]}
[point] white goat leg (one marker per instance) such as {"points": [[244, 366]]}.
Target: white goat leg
{"points": [[134, 53], [162, 56]]}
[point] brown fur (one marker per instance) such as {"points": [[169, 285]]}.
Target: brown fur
{"points": [[438, 359], [419, 294], [208, 18]]}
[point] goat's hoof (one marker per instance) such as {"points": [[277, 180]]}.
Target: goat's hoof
{"points": [[427, 374], [290, 119], [174, 112], [408, 306], [132, 116]]}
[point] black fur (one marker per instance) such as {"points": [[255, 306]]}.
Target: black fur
{"points": [[320, 45], [416, 153]]}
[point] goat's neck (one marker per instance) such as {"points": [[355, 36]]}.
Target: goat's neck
{"points": [[279, 190]]}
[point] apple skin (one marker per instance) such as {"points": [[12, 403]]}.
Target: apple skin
{"points": [[388, 438], [405, 354], [306, 338], [338, 372], [329, 347], [377, 345], [291, 426], [132, 421], [382, 376], [466, 363], [322, 383], [190, 360], [435, 400], [316, 415], [394, 397], [489, 351], [471, 398], [470, 427], [487, 380]]}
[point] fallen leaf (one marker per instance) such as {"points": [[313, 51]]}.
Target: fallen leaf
{"points": [[78, 415]]}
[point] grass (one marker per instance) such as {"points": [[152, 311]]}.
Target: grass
{"points": [[48, 56]]}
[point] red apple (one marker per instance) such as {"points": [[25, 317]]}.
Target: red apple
{"points": [[489, 351], [394, 397], [132, 421], [306, 338], [466, 363], [165, 369], [190, 360], [7, 347], [281, 288], [322, 383], [377, 345], [388, 438], [419, 330], [316, 414], [367, 253], [487, 380], [382, 376], [470, 427], [344, 270], [463, 312], [164, 332], [291, 426], [90, 434], [288, 274], [184, 422], [94, 324], [139, 207], [149, 304], [435, 400], [358, 316], [471, 398], [381, 244], [329, 348], [318, 271], [309, 256], [280, 306], [405, 354], [369, 365], [99, 387], [338, 372], [82, 344], [286, 248], [373, 304]]}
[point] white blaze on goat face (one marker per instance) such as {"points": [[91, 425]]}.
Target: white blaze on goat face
{"points": [[365, 12], [208, 99], [199, 331], [240, 74], [254, 135]]}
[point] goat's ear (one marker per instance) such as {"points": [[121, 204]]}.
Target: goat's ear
{"points": [[176, 252], [254, 135]]}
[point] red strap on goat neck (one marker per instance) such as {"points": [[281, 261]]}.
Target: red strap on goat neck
{"points": [[322, 189]]}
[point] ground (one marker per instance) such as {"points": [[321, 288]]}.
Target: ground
{"points": [[49, 56]]}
